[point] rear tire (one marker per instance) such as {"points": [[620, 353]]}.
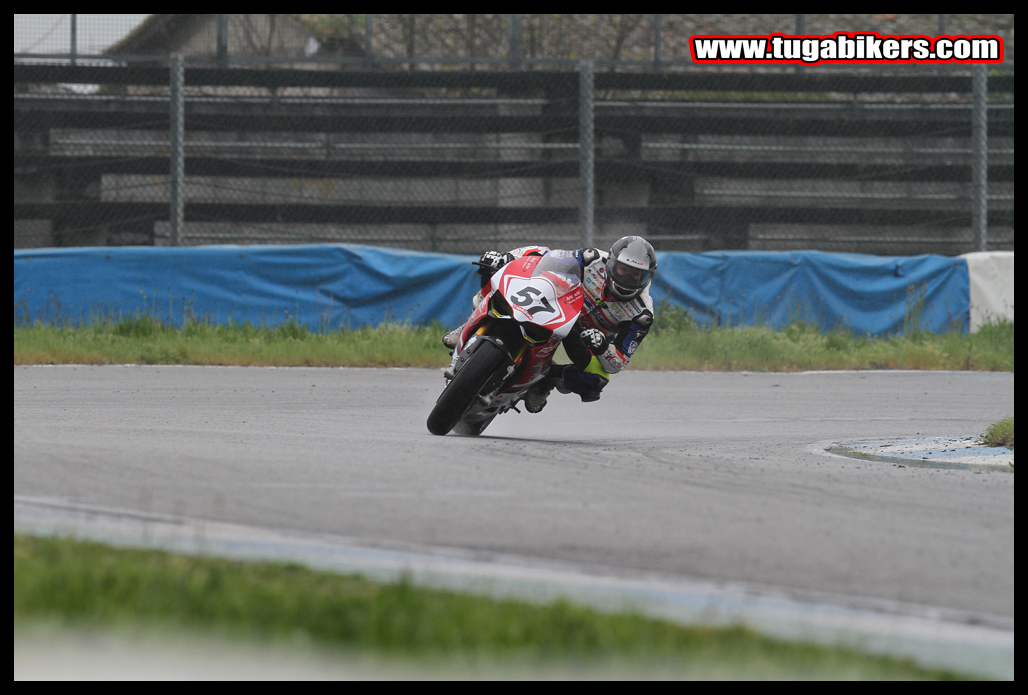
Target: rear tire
{"points": [[465, 387]]}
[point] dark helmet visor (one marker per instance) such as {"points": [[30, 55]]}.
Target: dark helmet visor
{"points": [[630, 277]]}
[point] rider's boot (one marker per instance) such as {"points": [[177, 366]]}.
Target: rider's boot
{"points": [[451, 338], [535, 399], [556, 378]]}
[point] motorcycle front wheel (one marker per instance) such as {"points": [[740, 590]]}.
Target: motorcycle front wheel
{"points": [[465, 387], [472, 429]]}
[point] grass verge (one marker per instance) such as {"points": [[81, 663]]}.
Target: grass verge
{"points": [[83, 584], [1000, 433], [142, 340], [675, 343]]}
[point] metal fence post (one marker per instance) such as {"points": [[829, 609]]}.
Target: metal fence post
{"points": [[74, 44], [980, 156], [222, 40], [368, 30], [177, 137], [801, 30], [586, 151], [514, 54], [657, 31]]}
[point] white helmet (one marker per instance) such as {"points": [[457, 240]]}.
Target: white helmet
{"points": [[630, 267]]}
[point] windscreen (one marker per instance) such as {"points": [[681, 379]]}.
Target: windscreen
{"points": [[562, 269]]}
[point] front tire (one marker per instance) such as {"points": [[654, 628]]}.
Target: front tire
{"points": [[472, 429], [465, 387]]}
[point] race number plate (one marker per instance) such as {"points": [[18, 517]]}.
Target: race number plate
{"points": [[535, 300]]}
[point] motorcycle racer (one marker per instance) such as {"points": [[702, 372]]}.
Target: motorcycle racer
{"points": [[617, 314]]}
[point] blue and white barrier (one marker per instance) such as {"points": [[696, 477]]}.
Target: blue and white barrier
{"points": [[991, 276], [333, 286]]}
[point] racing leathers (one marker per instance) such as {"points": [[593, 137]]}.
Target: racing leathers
{"points": [[624, 324]]}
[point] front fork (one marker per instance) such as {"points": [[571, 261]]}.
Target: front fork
{"points": [[461, 356]]}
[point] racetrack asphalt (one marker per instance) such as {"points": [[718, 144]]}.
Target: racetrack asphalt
{"points": [[713, 476]]}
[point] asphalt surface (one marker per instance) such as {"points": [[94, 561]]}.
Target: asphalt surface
{"points": [[706, 475]]}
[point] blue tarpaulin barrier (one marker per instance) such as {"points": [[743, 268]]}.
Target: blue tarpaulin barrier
{"points": [[868, 294], [332, 286], [324, 286]]}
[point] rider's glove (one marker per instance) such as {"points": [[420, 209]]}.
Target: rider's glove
{"points": [[490, 262], [594, 340]]}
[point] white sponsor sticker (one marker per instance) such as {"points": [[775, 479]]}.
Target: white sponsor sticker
{"points": [[534, 300]]}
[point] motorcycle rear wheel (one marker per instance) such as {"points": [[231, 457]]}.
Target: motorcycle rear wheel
{"points": [[465, 387]]}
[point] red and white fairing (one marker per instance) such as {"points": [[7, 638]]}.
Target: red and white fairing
{"points": [[547, 299], [544, 300]]}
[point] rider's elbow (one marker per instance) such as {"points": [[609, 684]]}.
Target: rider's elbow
{"points": [[612, 360]]}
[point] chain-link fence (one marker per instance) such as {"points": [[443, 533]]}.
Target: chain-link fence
{"points": [[877, 161]]}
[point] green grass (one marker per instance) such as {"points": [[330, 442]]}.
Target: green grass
{"points": [[1000, 433], [142, 340], [79, 584], [675, 343]]}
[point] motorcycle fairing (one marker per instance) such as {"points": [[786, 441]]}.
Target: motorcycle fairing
{"points": [[544, 290], [539, 290]]}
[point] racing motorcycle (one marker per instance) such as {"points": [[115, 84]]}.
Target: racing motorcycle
{"points": [[509, 340]]}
